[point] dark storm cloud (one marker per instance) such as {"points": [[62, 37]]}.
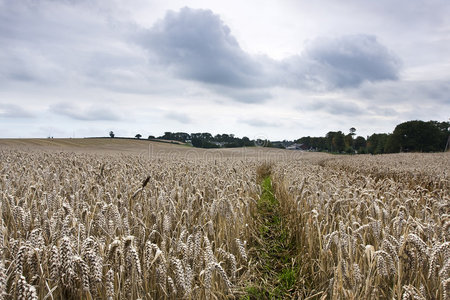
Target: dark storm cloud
{"points": [[14, 111], [195, 44], [92, 113]]}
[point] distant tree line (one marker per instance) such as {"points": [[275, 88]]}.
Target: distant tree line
{"points": [[411, 136], [207, 140]]}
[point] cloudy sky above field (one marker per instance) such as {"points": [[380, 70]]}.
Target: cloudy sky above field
{"points": [[275, 69]]}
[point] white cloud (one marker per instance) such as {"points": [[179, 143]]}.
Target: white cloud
{"points": [[8, 110], [258, 122], [90, 113]]}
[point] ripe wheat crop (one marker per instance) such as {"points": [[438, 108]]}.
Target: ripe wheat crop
{"points": [[122, 227], [370, 227], [115, 226]]}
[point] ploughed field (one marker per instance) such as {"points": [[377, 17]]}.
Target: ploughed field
{"points": [[121, 219]]}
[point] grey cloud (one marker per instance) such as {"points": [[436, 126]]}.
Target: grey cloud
{"points": [[385, 111], [64, 43], [342, 62], [350, 60], [58, 43], [337, 107], [334, 107], [407, 100], [27, 66], [179, 117], [260, 123], [14, 111], [249, 95], [92, 113], [415, 92], [195, 44]]}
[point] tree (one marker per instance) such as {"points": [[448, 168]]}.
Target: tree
{"points": [[167, 136], [206, 136], [314, 143], [336, 141], [392, 144], [349, 143], [359, 144], [376, 143], [246, 142], [111, 134], [263, 143], [349, 147], [339, 141], [444, 128], [416, 136], [203, 143], [138, 136]]}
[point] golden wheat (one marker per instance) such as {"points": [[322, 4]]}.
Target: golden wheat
{"points": [[375, 220], [115, 226], [118, 226]]}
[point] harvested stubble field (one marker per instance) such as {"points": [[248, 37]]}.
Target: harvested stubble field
{"points": [[120, 219]]}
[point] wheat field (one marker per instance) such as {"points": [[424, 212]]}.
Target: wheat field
{"points": [[177, 223], [371, 227]]}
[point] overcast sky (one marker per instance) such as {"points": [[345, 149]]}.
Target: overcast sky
{"points": [[257, 68]]}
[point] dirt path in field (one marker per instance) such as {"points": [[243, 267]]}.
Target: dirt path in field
{"points": [[274, 250]]}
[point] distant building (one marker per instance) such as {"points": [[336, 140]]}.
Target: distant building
{"points": [[219, 144], [295, 147]]}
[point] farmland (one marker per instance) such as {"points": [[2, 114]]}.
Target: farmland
{"points": [[121, 219]]}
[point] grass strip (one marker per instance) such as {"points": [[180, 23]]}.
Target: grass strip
{"points": [[274, 253]]}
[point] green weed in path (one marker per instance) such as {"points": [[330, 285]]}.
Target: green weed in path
{"points": [[275, 251], [267, 200]]}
